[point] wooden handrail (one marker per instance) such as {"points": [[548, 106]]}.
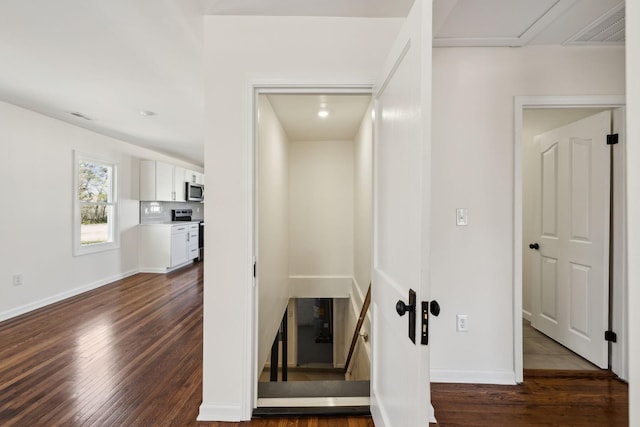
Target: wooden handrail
{"points": [[354, 340]]}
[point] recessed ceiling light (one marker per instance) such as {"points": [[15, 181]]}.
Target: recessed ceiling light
{"points": [[323, 114], [148, 113]]}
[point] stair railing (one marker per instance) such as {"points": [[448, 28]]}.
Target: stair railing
{"points": [[356, 333]]}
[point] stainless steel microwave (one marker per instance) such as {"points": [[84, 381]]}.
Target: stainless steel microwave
{"points": [[194, 192]]}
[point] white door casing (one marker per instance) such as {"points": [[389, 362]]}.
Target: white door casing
{"points": [[571, 268], [619, 361], [400, 390]]}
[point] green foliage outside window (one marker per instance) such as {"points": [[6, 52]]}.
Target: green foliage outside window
{"points": [[94, 188], [96, 205]]}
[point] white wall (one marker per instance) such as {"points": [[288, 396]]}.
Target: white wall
{"points": [[473, 119], [273, 240], [320, 211], [36, 168], [535, 122], [363, 204], [362, 232], [633, 203], [236, 50]]}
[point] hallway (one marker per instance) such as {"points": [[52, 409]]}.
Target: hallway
{"points": [[541, 352]]}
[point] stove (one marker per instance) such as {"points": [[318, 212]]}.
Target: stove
{"points": [[181, 214]]}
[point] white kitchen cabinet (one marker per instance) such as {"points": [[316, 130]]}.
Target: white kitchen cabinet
{"points": [[162, 182], [194, 177], [194, 247], [179, 244], [164, 247], [179, 180]]}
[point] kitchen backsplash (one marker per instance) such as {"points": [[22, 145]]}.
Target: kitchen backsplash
{"points": [[159, 212]]}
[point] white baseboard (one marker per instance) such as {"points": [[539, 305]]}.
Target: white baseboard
{"points": [[221, 413], [153, 270], [473, 377], [163, 270], [526, 315], [23, 309]]}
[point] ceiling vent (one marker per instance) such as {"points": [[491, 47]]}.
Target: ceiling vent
{"points": [[608, 29]]}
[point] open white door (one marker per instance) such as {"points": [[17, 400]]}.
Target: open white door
{"points": [[571, 272], [400, 389]]}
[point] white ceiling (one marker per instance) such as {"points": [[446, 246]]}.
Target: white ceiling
{"points": [[525, 22], [109, 60], [298, 115]]}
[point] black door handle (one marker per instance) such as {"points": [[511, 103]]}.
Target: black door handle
{"points": [[402, 308], [534, 246], [434, 308]]}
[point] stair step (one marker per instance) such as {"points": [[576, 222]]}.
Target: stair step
{"points": [[324, 389], [311, 410]]}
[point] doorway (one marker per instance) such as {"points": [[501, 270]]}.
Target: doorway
{"points": [[313, 241], [536, 115], [314, 329]]}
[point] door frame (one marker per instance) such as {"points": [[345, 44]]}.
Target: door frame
{"points": [[532, 102], [253, 89]]}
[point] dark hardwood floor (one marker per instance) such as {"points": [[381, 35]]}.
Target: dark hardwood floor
{"points": [[546, 398], [130, 354]]}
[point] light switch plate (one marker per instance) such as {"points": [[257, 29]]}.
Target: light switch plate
{"points": [[461, 216]]}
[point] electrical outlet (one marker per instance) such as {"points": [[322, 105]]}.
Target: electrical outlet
{"points": [[462, 323], [17, 279]]}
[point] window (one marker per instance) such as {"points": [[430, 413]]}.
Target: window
{"points": [[96, 205]]}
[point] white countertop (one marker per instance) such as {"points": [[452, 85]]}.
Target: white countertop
{"points": [[195, 221]]}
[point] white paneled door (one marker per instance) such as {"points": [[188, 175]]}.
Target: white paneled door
{"points": [[571, 254], [400, 394]]}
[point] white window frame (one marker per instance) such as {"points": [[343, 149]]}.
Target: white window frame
{"points": [[114, 230]]}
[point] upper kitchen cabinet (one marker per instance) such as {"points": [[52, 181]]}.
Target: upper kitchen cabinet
{"points": [[194, 177], [161, 182]]}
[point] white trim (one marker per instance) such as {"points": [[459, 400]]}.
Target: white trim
{"points": [[361, 297], [320, 286], [473, 377], [5, 315], [520, 103], [114, 224], [355, 285], [220, 413], [163, 270], [250, 372], [153, 270], [322, 402], [619, 351], [254, 86]]}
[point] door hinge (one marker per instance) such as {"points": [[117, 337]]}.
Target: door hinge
{"points": [[612, 139], [610, 336]]}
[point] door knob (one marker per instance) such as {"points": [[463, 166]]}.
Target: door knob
{"points": [[402, 308], [534, 246], [434, 308]]}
